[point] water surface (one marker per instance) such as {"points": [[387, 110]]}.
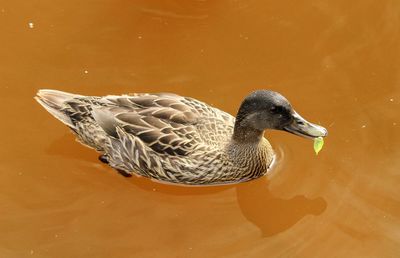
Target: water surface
{"points": [[336, 61]]}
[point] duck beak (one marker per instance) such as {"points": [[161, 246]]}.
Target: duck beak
{"points": [[302, 127]]}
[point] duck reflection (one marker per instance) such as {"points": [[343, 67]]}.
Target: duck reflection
{"points": [[272, 214]]}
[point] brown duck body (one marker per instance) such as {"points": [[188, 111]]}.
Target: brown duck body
{"points": [[162, 136]]}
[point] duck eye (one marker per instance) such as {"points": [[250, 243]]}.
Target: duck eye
{"points": [[276, 109]]}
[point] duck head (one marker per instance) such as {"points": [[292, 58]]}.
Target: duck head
{"points": [[265, 109]]}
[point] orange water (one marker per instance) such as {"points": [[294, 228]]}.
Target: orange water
{"points": [[336, 61]]}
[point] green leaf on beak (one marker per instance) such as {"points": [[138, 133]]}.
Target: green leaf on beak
{"points": [[318, 144]]}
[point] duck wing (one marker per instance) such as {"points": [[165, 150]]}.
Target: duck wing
{"points": [[169, 124]]}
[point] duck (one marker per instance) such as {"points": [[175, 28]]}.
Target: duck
{"points": [[180, 140]]}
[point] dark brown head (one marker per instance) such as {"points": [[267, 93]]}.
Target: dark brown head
{"points": [[265, 109]]}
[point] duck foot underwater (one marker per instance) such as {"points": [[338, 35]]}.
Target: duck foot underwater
{"points": [[178, 139], [103, 158]]}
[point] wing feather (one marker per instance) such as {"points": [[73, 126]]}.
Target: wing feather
{"points": [[166, 123]]}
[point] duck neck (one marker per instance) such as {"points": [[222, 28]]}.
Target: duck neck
{"points": [[245, 134]]}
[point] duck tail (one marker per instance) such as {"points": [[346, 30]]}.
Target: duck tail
{"points": [[54, 101]]}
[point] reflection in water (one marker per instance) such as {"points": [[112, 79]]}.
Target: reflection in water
{"points": [[272, 214]]}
